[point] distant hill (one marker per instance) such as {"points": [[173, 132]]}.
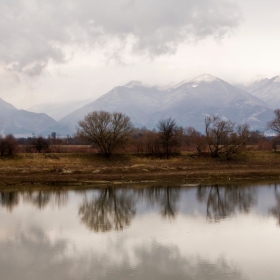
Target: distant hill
{"points": [[269, 92], [254, 84], [58, 110], [25, 123], [188, 102]]}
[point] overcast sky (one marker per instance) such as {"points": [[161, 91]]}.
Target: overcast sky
{"points": [[52, 51]]}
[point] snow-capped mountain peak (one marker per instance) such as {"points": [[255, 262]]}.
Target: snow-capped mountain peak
{"points": [[269, 92], [206, 78], [256, 79], [133, 84], [180, 84], [187, 102], [277, 79]]}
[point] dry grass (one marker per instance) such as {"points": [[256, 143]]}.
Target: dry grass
{"points": [[79, 169]]}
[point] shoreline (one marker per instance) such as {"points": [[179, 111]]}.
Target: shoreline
{"points": [[78, 170]]}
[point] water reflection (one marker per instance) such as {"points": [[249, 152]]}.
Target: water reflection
{"points": [[53, 234], [9, 200], [40, 199], [112, 209], [225, 201], [38, 257], [166, 262], [275, 210], [18, 256], [166, 198]]}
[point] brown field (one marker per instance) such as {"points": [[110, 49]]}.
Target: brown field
{"points": [[87, 169]]}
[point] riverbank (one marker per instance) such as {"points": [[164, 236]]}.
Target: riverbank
{"points": [[87, 169]]}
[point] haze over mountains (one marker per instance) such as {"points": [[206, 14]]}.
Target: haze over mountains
{"points": [[25, 123], [189, 102], [269, 91], [58, 110]]}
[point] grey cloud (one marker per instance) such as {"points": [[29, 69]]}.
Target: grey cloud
{"points": [[36, 32]]}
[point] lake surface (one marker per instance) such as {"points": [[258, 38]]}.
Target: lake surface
{"points": [[205, 232]]}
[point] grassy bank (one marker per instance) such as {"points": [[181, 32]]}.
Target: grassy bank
{"points": [[83, 169]]}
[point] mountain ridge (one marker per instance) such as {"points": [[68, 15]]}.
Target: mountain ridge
{"points": [[188, 102], [25, 123]]}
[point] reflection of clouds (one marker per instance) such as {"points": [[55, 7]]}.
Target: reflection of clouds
{"points": [[190, 241], [35, 257], [32, 256], [165, 262]]}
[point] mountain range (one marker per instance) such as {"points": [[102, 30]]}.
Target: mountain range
{"points": [[269, 92], [25, 123], [58, 110], [188, 102]]}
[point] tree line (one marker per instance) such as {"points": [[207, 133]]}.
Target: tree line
{"points": [[112, 131], [109, 133]]}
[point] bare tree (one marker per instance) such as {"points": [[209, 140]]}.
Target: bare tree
{"points": [[238, 140], [108, 131], [11, 144], [195, 140], [152, 143], [8, 145], [217, 132], [224, 138], [40, 143], [275, 142], [2, 146], [138, 140], [167, 128], [275, 123]]}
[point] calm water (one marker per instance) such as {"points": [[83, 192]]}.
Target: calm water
{"points": [[207, 232]]}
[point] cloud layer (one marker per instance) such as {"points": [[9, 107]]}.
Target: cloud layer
{"points": [[33, 33]]}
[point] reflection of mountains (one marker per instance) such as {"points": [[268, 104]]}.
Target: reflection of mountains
{"points": [[114, 208]]}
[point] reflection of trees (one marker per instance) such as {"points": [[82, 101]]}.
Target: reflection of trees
{"points": [[9, 200], [225, 201], [275, 211], [112, 209], [166, 197], [41, 199]]}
